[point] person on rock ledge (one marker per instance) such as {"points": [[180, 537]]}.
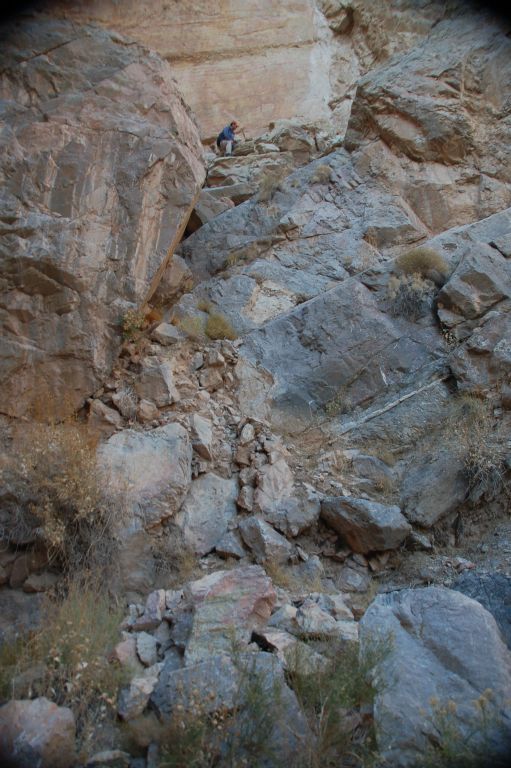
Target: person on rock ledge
{"points": [[226, 140]]}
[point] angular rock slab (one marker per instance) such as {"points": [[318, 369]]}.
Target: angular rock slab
{"points": [[444, 646], [207, 511], [37, 733], [366, 525], [264, 541], [433, 488], [101, 163], [229, 605], [150, 472]]}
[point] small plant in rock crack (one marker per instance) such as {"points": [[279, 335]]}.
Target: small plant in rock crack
{"points": [[132, 324], [218, 327], [410, 296]]}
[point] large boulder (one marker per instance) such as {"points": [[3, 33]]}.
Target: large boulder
{"points": [[37, 733], [101, 164], [148, 473], [443, 652], [207, 510], [366, 525], [433, 487], [228, 606]]}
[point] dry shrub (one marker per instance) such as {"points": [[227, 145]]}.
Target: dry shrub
{"points": [[132, 324], [126, 402], [321, 174], [193, 326], [218, 327], [410, 295], [425, 262], [66, 660], [336, 689], [475, 438], [204, 305], [62, 495], [269, 183]]}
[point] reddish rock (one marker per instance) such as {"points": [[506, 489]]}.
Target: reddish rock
{"points": [[37, 733]]}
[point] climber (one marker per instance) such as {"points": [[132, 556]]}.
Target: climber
{"points": [[226, 140]]}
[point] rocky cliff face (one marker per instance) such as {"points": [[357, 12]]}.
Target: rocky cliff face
{"points": [[101, 164], [322, 409], [261, 62]]}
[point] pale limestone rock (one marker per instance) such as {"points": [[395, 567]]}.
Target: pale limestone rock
{"points": [[37, 732], [147, 411], [76, 254], [104, 418], [134, 699], [40, 582], [167, 334], [150, 471], [202, 435], [156, 382], [147, 649]]}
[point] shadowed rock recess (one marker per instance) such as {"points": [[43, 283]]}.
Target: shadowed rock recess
{"points": [[255, 422]]}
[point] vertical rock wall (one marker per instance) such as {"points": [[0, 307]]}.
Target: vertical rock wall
{"points": [[101, 164]]}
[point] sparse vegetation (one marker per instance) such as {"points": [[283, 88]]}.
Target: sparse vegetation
{"points": [[132, 324], [425, 262], [64, 501], [321, 174], [197, 734], [204, 305], [478, 441], [218, 327], [335, 692], [454, 747], [410, 295], [193, 326], [66, 660]]}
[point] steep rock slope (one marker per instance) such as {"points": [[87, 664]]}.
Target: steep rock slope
{"points": [[101, 164]]}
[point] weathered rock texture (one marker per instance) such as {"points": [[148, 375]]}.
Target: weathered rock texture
{"points": [[442, 646], [259, 61], [101, 164]]}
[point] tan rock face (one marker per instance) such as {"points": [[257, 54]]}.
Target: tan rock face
{"points": [[101, 163], [258, 60]]}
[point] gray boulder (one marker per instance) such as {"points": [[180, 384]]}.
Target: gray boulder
{"points": [[149, 472], [493, 591], [207, 511], [366, 525], [264, 541], [444, 651], [433, 488]]}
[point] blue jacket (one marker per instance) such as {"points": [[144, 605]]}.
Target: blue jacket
{"points": [[226, 135]]}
